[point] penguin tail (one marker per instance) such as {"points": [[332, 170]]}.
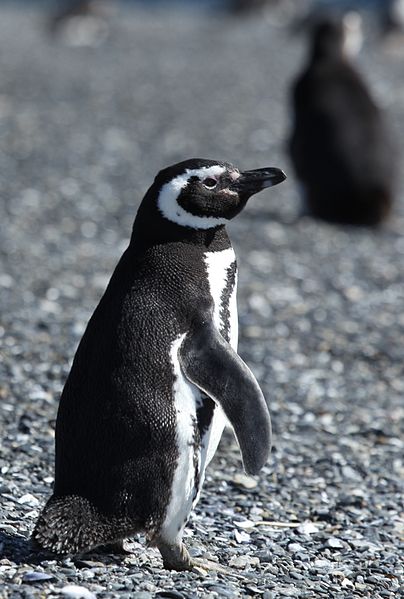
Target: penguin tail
{"points": [[71, 524]]}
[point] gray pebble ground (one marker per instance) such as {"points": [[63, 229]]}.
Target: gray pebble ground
{"points": [[83, 132]]}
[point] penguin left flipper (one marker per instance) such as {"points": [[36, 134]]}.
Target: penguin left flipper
{"points": [[209, 362]]}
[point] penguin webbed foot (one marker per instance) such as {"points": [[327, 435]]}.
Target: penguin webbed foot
{"points": [[175, 556]]}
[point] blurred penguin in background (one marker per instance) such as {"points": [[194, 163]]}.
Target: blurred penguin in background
{"points": [[392, 17], [340, 147], [80, 22]]}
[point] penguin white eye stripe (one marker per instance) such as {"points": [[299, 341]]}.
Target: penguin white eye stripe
{"points": [[169, 193]]}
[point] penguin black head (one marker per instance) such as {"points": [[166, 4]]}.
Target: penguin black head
{"points": [[337, 37], [328, 38], [203, 194]]}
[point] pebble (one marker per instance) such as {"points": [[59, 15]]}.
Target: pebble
{"points": [[335, 543], [222, 591], [32, 577], [242, 537], [245, 524], [243, 561], [295, 547], [307, 528], [303, 557], [247, 482], [28, 499], [73, 591]]}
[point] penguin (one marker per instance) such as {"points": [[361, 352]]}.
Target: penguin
{"points": [[392, 18], [156, 375], [340, 145], [80, 22]]}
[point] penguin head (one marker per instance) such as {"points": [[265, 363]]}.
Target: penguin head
{"points": [[328, 38], [204, 194], [337, 37]]}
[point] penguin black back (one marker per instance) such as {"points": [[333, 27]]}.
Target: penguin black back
{"points": [[340, 147]]}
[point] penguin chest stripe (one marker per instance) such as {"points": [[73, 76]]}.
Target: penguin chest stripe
{"points": [[221, 270], [222, 278], [186, 474]]}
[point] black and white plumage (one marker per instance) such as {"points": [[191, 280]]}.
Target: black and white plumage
{"points": [[340, 146], [156, 373]]}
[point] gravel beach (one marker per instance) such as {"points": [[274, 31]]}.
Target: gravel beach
{"points": [[83, 131]]}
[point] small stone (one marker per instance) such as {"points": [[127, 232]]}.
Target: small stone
{"points": [[335, 543], [307, 528], [244, 523], [303, 557], [350, 474], [271, 569], [28, 499], [295, 547], [264, 555], [296, 575], [243, 561], [74, 591], [222, 591], [322, 564], [31, 577], [242, 480], [242, 537], [86, 563]]}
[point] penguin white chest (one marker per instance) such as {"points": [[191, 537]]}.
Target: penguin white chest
{"points": [[222, 278], [189, 473]]}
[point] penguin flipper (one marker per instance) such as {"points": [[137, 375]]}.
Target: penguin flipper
{"points": [[209, 362]]}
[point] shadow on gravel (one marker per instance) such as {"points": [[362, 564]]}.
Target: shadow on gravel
{"points": [[21, 550], [18, 549]]}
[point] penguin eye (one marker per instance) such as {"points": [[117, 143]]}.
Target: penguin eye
{"points": [[209, 182]]}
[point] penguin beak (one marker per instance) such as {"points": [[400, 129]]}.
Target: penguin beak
{"points": [[251, 182]]}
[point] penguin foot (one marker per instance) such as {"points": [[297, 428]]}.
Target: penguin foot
{"points": [[175, 557]]}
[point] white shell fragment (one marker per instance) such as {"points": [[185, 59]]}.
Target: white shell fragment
{"points": [[74, 591]]}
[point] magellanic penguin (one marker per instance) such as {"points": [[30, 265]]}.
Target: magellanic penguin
{"points": [[157, 373], [340, 145]]}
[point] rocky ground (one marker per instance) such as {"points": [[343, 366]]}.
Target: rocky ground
{"points": [[83, 130]]}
